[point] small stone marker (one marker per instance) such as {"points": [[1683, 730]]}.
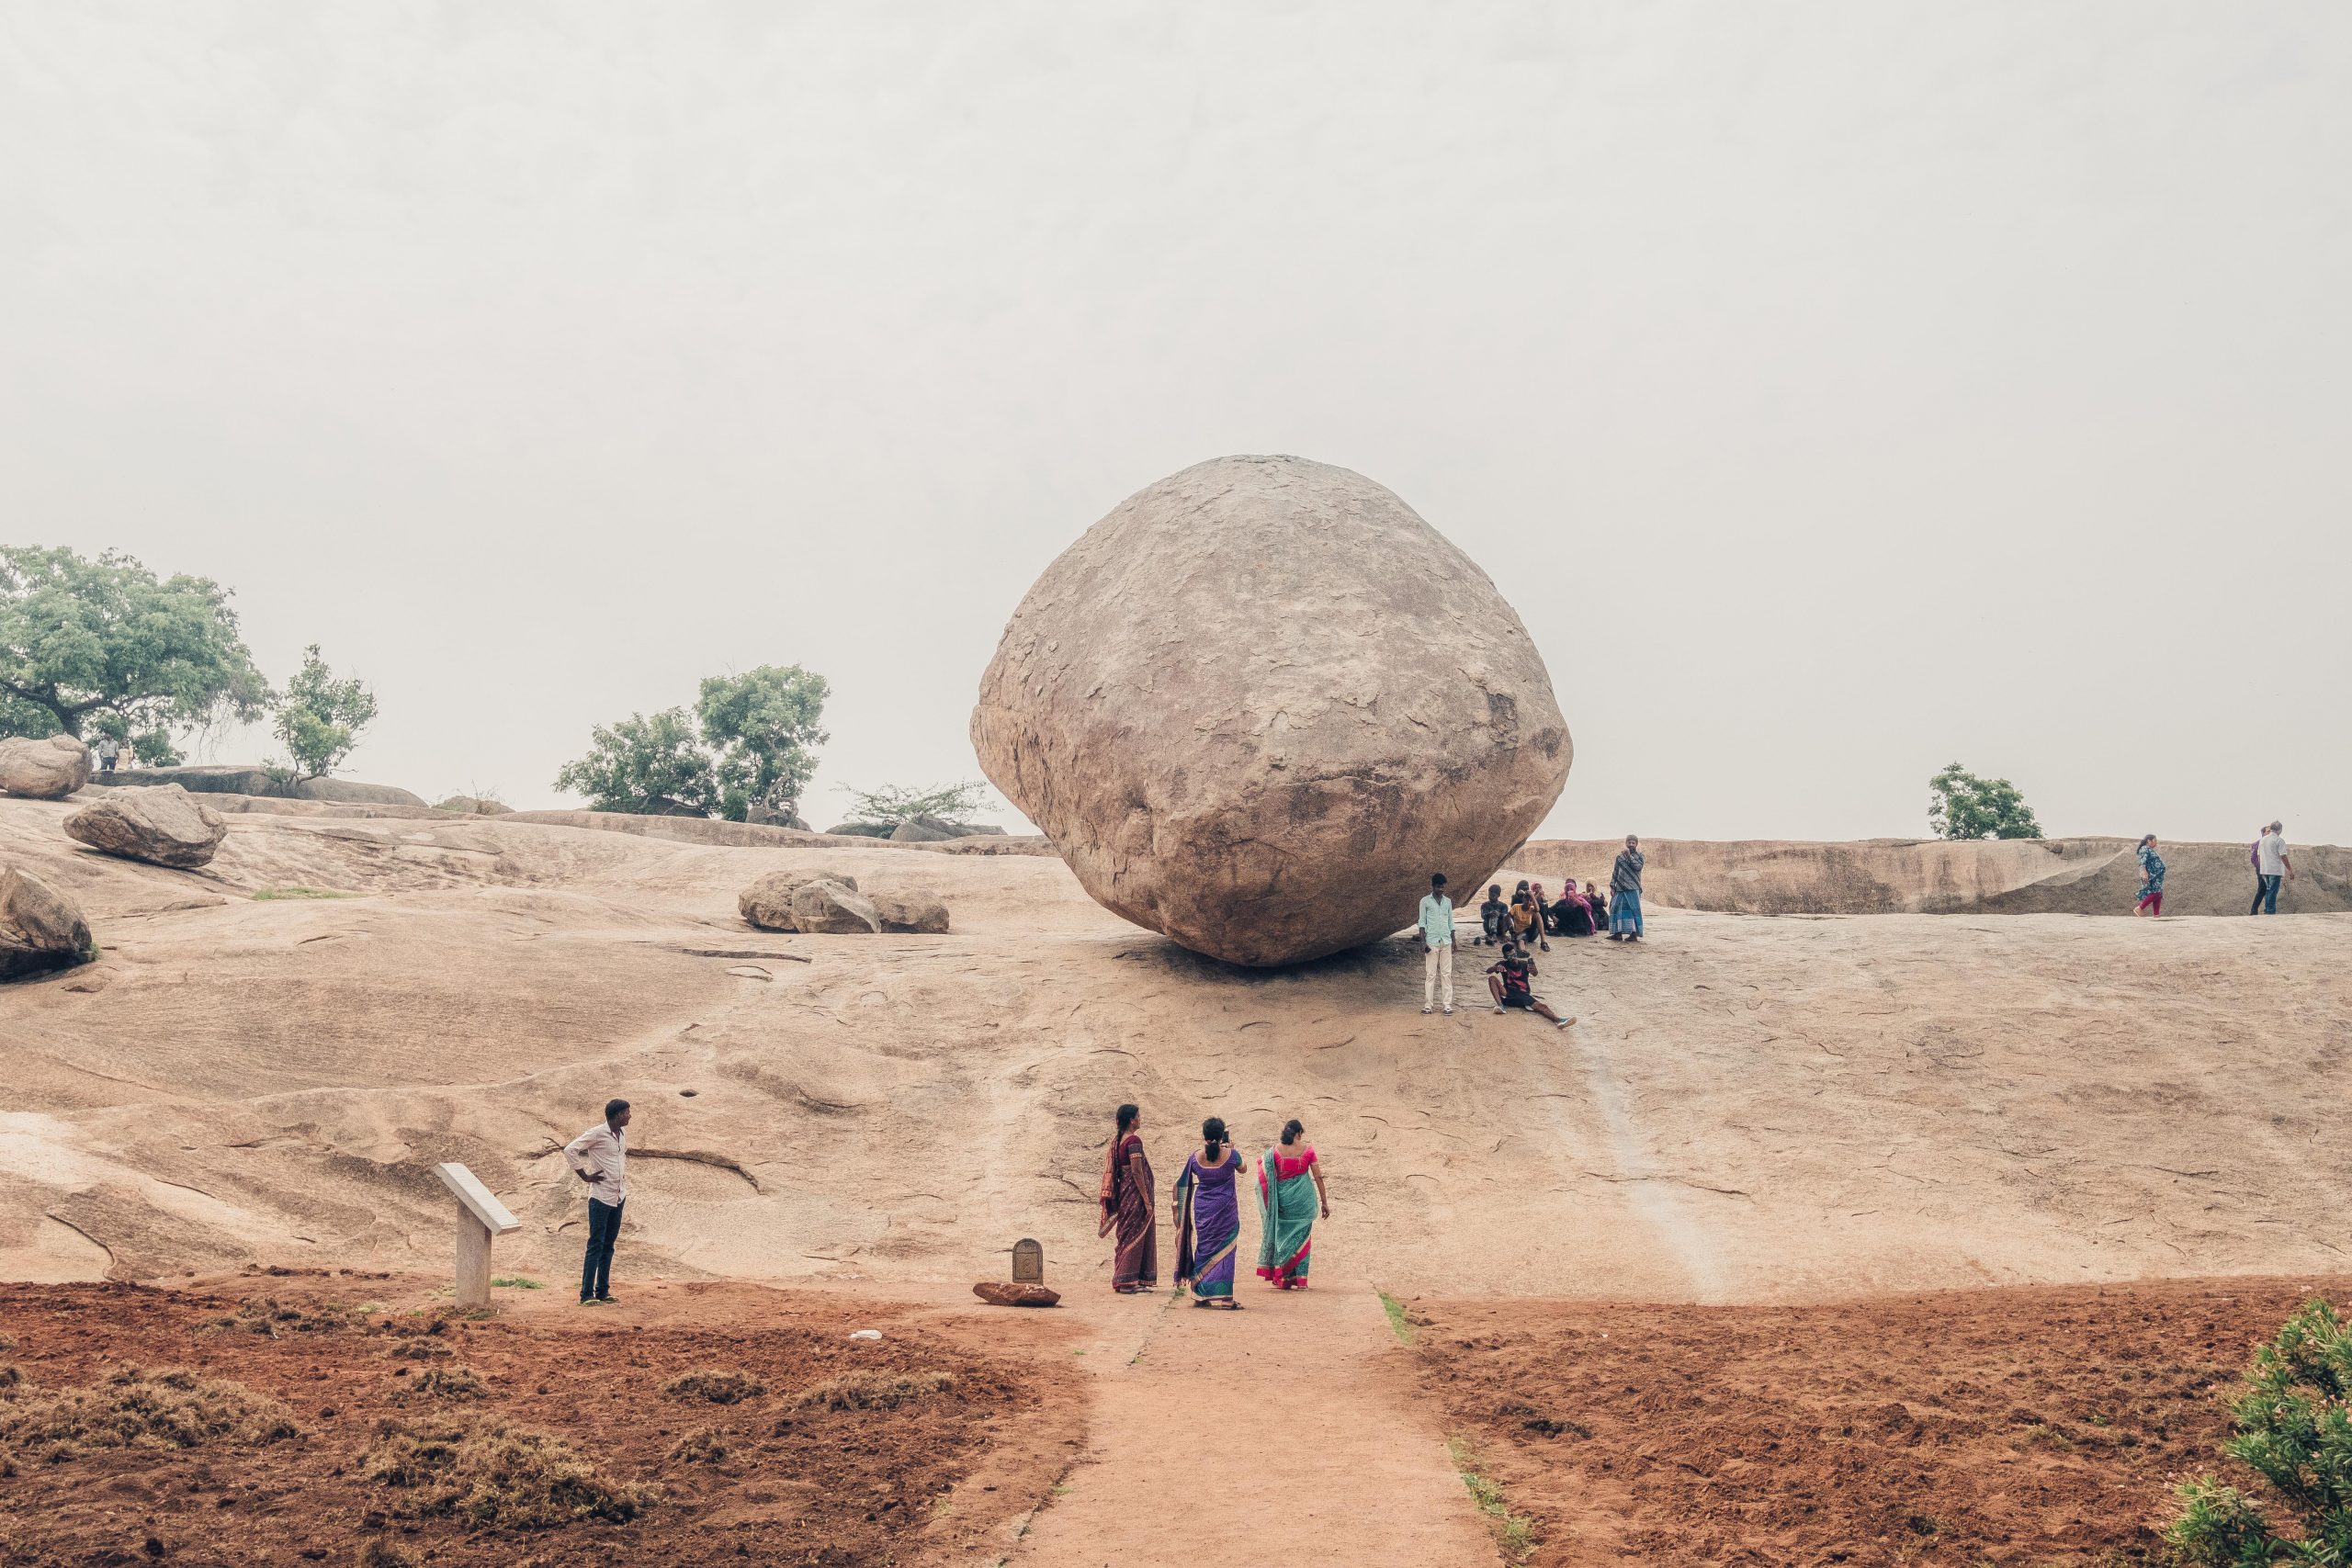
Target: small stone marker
{"points": [[1027, 1287], [479, 1217]]}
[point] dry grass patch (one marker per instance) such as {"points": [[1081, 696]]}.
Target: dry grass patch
{"points": [[874, 1391], [449, 1382], [271, 1318], [129, 1407], [717, 1387], [704, 1446], [494, 1475]]}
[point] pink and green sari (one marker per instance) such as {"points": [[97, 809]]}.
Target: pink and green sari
{"points": [[1287, 1204]]}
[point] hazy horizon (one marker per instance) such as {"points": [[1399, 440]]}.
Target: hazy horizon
{"points": [[1836, 391]]}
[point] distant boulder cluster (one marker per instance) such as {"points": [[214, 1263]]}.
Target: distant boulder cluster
{"points": [[830, 903]]}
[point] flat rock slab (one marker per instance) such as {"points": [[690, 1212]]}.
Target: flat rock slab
{"points": [[1005, 1294]]}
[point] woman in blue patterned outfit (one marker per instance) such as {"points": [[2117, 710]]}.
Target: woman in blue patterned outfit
{"points": [[2152, 879]]}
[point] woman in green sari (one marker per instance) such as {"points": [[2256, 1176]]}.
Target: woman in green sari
{"points": [[1290, 1198]]}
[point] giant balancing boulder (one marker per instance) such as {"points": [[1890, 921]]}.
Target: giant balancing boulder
{"points": [[1260, 702]]}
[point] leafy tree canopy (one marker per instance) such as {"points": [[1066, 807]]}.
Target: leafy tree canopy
{"points": [[104, 646], [645, 765], [762, 729], [941, 803], [1965, 806], [2294, 1430], [320, 717]]}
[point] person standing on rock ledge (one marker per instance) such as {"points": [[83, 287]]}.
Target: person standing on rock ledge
{"points": [[2151, 899], [2270, 864], [1625, 892], [599, 1157], [1437, 946]]}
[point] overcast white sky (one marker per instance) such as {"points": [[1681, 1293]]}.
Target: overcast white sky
{"points": [[1837, 389]]}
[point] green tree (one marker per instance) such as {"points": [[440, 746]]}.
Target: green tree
{"points": [[942, 802], [104, 646], [1965, 806], [2295, 1432], [762, 728], [645, 765], [320, 717]]}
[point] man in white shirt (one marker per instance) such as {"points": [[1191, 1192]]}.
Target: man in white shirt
{"points": [[2270, 865], [599, 1157], [1436, 922]]}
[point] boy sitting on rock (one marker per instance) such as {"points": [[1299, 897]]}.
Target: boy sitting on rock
{"points": [[1495, 915], [1511, 982]]}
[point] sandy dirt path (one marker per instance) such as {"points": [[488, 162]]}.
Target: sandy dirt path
{"points": [[1290, 1424]]}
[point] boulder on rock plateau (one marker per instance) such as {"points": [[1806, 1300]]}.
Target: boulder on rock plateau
{"points": [[910, 909], [49, 769], [1260, 702], [164, 826], [828, 909], [41, 929], [767, 903]]}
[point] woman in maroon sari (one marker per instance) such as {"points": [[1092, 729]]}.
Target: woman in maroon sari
{"points": [[1129, 1205]]}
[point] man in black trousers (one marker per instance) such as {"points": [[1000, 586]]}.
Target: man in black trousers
{"points": [[599, 1157]]}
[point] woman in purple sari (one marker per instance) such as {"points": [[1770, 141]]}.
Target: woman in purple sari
{"points": [[1208, 1217], [1130, 1205]]}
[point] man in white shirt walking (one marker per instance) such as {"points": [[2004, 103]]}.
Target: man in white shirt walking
{"points": [[2270, 865], [599, 1157], [1437, 943]]}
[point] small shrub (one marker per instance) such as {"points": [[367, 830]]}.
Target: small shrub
{"points": [[494, 1475], [701, 1447], [717, 1387], [129, 1407], [874, 1391], [2294, 1430], [517, 1282]]}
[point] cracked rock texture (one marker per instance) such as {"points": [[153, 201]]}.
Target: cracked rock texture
{"points": [[1260, 702]]}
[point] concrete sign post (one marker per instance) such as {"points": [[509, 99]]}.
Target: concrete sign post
{"points": [[479, 1217]]}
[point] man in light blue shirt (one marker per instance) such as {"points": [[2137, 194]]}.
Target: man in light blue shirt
{"points": [[1437, 944]]}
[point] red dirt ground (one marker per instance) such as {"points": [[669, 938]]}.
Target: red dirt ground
{"points": [[2035, 1428], [798, 1485]]}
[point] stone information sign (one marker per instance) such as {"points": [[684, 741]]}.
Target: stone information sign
{"points": [[1028, 1263]]}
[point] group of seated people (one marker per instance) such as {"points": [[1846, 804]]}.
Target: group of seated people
{"points": [[1528, 917]]}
